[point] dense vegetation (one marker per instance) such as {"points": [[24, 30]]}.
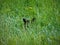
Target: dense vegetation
{"points": [[44, 31]]}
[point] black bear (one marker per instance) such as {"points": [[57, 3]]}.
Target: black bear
{"points": [[26, 21]]}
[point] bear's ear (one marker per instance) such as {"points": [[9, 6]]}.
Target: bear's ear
{"points": [[24, 20], [33, 19]]}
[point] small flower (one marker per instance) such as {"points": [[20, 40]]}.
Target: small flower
{"points": [[30, 8]]}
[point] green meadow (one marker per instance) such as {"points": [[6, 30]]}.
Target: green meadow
{"points": [[45, 30]]}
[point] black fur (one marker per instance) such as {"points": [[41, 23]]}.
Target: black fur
{"points": [[33, 19], [26, 21]]}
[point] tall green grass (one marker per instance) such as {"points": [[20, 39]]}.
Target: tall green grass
{"points": [[44, 31]]}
